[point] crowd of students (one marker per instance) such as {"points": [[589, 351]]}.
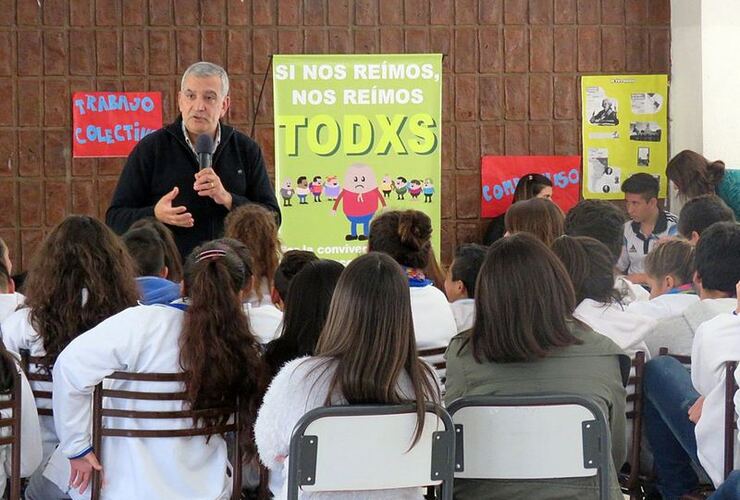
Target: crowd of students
{"points": [[558, 303]]}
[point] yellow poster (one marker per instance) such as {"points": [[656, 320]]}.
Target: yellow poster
{"points": [[625, 131]]}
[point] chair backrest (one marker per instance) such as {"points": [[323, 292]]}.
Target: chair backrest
{"points": [[354, 448], [100, 430], [26, 361], [682, 358], [531, 437], [730, 416], [12, 436], [635, 398], [435, 357]]}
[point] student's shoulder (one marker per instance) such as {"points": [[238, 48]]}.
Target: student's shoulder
{"points": [[17, 323]]}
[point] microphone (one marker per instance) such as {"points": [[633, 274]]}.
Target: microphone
{"points": [[204, 148]]}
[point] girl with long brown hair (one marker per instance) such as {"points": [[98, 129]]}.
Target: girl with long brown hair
{"points": [[207, 337], [539, 217], [366, 354]]}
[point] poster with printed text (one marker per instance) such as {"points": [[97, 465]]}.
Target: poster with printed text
{"points": [[355, 135], [625, 121]]}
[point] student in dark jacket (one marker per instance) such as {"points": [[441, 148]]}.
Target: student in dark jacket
{"points": [[161, 176]]}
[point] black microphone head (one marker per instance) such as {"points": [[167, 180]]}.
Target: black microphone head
{"points": [[204, 144]]}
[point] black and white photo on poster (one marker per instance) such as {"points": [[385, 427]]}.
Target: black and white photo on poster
{"points": [[643, 156], [602, 177], [645, 131], [600, 108]]}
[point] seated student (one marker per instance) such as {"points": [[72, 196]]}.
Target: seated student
{"points": [[81, 275], [669, 271], [366, 357], [172, 257], [406, 235], [257, 228], [208, 337], [590, 269], [460, 283], [306, 308], [717, 261], [603, 221], [511, 351], [146, 248], [684, 412], [539, 217], [10, 300], [529, 186], [291, 263], [701, 212], [648, 224]]}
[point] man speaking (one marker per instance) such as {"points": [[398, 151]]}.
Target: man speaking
{"points": [[169, 175]]}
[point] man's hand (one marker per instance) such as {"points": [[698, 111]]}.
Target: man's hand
{"points": [[695, 410], [174, 216], [81, 472], [207, 183]]}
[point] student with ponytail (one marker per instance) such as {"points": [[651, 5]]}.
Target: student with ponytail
{"points": [[206, 336], [693, 175]]}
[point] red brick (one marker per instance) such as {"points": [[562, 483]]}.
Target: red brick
{"points": [[134, 12], [448, 238], [516, 49], [366, 41], [55, 52], [566, 49], [82, 52], [7, 15], [540, 48], [8, 153], [465, 12], [81, 12], [29, 13], [83, 197], [313, 12], [57, 146], [187, 49], [239, 12], [490, 11], [30, 103], [214, 46], [56, 197], [7, 116], [446, 197], [239, 53], [161, 60], [8, 201], [589, 48], [289, 12], [540, 139], [441, 11], [56, 103], [109, 85], [540, 11], [105, 194], [7, 54], [515, 11], [390, 11], [391, 40], [187, 12], [264, 110], [30, 242], [55, 12], [30, 53], [491, 98], [565, 137], [466, 98], [366, 12], [107, 12], [440, 43], [108, 53], [516, 138], [660, 51], [340, 41], [589, 12], [492, 140], [565, 11], [417, 11], [169, 89], [30, 210], [612, 11], [134, 52], [448, 147], [659, 12], [264, 43], [339, 13], [491, 44], [241, 98], [448, 97], [467, 194], [30, 152], [214, 13], [540, 96], [612, 49], [636, 11], [160, 12], [565, 97], [467, 143], [83, 167], [417, 41], [110, 166], [266, 139], [465, 51], [470, 232], [635, 54], [263, 12]]}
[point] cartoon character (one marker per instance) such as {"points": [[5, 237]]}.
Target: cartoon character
{"points": [[401, 187], [428, 190], [361, 199], [302, 190], [386, 186], [331, 188], [286, 191], [414, 188], [316, 187]]}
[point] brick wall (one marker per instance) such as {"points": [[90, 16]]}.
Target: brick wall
{"points": [[510, 84]]}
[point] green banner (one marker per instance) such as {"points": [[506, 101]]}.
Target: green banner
{"points": [[354, 135]]}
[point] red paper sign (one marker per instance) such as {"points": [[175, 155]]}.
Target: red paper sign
{"points": [[500, 174], [109, 124]]}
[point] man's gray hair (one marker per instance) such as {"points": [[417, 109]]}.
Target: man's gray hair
{"points": [[204, 69]]}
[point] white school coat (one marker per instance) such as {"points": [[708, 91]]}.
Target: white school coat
{"points": [[264, 321], [664, 306], [716, 341], [9, 302], [434, 324], [464, 312], [628, 330], [138, 339]]}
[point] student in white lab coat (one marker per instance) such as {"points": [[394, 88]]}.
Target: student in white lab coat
{"points": [[206, 336], [81, 275], [460, 283], [366, 355], [406, 236]]}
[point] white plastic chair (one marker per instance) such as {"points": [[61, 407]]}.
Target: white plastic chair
{"points": [[355, 448], [531, 437]]}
